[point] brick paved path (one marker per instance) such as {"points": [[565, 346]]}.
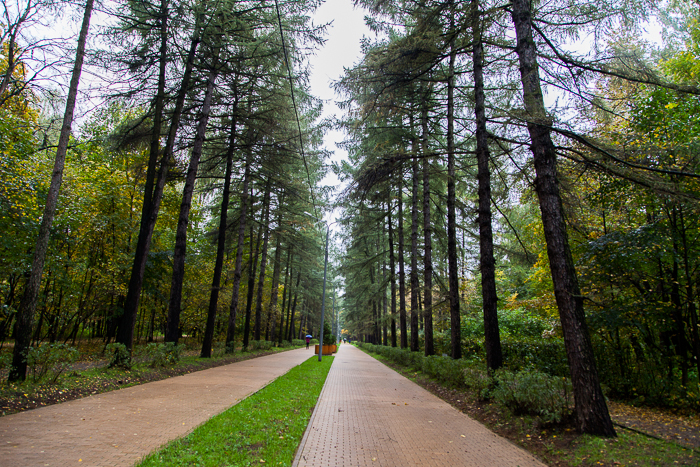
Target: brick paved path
{"points": [[369, 415], [119, 427]]}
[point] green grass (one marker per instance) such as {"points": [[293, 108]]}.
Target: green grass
{"points": [[630, 449], [263, 429]]}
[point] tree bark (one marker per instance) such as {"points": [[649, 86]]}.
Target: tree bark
{"points": [[415, 285], [402, 274], [294, 307], [237, 271], [180, 250], [452, 260], [263, 262], [492, 338], [153, 191], [592, 415], [427, 235], [392, 271], [27, 309], [277, 268], [284, 322], [220, 239], [251, 281]]}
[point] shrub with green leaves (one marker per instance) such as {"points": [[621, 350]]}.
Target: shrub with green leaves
{"points": [[5, 360], [118, 355], [47, 361], [260, 345], [298, 342], [162, 355], [476, 378], [535, 393]]}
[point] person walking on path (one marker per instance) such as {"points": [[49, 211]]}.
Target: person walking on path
{"points": [[369, 415], [308, 341]]}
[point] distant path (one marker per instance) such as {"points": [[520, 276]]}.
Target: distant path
{"points": [[369, 415], [120, 427]]}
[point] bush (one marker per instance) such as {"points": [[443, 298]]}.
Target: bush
{"points": [[535, 393], [477, 379], [162, 355], [260, 345], [5, 360], [298, 342], [48, 361], [445, 369], [118, 356]]}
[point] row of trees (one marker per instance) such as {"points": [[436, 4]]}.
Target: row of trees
{"points": [[179, 207], [466, 117]]}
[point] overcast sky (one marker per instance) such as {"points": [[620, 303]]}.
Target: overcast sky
{"points": [[342, 49]]}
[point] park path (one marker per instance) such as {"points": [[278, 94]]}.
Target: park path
{"points": [[369, 415], [120, 427]]}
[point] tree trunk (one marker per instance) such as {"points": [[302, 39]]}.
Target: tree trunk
{"points": [[263, 262], [172, 333], [153, 190], [180, 250], [277, 267], [453, 266], [402, 274], [415, 285], [492, 339], [392, 271], [251, 281], [284, 323], [427, 234], [233, 307], [27, 308], [294, 307], [592, 415]]}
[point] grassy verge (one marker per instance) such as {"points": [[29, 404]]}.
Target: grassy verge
{"points": [[263, 429], [555, 444], [97, 378]]}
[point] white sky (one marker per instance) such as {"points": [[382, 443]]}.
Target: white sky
{"points": [[342, 49]]}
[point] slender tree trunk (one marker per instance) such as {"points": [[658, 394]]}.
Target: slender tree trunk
{"points": [[173, 333], [27, 308], [592, 415], [385, 300], [392, 272], [492, 339], [251, 281], [180, 250], [153, 191], [294, 307], [415, 285], [263, 262], [284, 322], [233, 307], [452, 260], [277, 267], [427, 235], [402, 275]]}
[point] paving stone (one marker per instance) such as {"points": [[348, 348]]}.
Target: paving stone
{"points": [[120, 427], [369, 415]]}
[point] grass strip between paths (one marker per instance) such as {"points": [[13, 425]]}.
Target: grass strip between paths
{"points": [[263, 429]]}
